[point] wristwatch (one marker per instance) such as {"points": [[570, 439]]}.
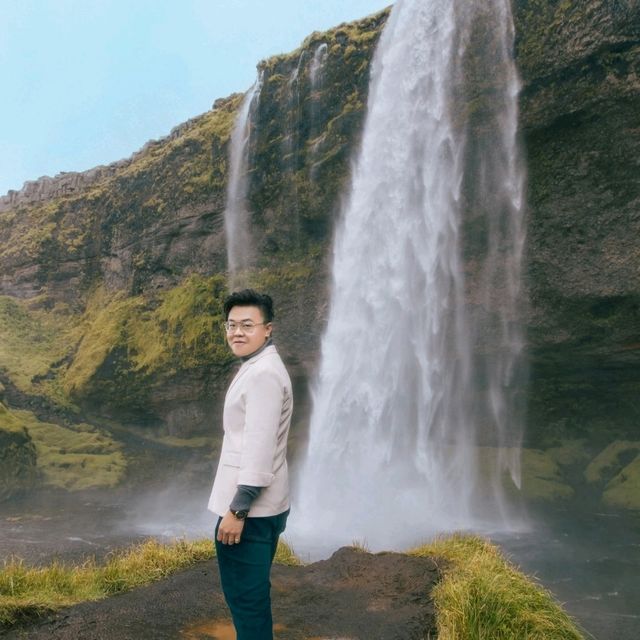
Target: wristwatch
{"points": [[241, 514]]}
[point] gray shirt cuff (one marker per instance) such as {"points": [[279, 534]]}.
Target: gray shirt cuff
{"points": [[245, 495]]}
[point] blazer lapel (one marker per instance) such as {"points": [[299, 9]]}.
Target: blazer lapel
{"points": [[247, 363]]}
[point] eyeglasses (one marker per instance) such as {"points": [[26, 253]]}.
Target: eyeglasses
{"points": [[245, 327]]}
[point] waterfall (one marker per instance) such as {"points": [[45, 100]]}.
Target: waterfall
{"points": [[316, 82], [316, 70], [240, 252], [291, 150], [291, 141], [415, 419]]}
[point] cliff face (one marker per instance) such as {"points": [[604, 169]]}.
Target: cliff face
{"points": [[130, 257], [580, 65]]}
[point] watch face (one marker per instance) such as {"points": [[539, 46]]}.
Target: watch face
{"points": [[241, 515]]}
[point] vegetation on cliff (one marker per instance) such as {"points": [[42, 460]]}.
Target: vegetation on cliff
{"points": [[34, 343], [305, 132], [143, 336], [45, 454], [186, 167]]}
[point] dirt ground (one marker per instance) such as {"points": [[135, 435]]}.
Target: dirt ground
{"points": [[353, 595]]}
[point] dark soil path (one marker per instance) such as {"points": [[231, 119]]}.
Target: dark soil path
{"points": [[351, 596]]}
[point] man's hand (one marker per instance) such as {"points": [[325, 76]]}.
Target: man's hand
{"points": [[230, 529]]}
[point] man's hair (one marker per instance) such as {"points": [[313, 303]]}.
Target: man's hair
{"points": [[250, 298]]}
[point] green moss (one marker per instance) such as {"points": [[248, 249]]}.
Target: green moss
{"points": [[289, 276], [104, 324], [32, 341], [185, 330], [624, 490], [9, 422], [569, 453], [18, 466], [81, 457], [609, 462], [541, 476], [196, 442], [126, 341], [184, 162]]}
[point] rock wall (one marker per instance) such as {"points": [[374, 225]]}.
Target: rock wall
{"points": [[580, 64], [142, 227]]}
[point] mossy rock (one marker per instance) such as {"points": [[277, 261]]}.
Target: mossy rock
{"points": [[72, 458], [610, 462], [542, 478], [18, 466], [569, 452], [624, 490], [541, 474]]}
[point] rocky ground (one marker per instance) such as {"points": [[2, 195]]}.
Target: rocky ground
{"points": [[353, 595]]}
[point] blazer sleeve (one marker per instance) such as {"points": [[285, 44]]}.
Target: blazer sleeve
{"points": [[263, 411]]}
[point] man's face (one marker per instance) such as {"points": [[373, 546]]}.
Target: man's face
{"points": [[250, 331]]}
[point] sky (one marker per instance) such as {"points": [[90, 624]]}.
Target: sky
{"points": [[88, 82]]}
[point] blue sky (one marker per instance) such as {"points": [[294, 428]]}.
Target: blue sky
{"points": [[88, 82]]}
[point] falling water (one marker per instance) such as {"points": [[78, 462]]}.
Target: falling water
{"points": [[316, 82], [291, 137], [316, 70], [240, 251], [422, 351], [291, 149]]}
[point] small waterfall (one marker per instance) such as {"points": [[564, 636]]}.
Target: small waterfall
{"points": [[420, 357], [291, 142], [316, 70], [240, 251], [291, 148], [316, 82]]}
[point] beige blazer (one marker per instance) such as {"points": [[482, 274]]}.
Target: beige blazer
{"points": [[256, 419]]}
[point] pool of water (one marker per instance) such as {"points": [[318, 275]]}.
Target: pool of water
{"points": [[589, 559]]}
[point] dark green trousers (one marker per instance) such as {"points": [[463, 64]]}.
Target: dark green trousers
{"points": [[244, 574]]}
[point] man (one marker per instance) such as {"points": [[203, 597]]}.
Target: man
{"points": [[251, 488]]}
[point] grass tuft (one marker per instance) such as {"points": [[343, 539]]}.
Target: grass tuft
{"points": [[483, 596], [27, 592], [286, 555], [360, 545]]}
